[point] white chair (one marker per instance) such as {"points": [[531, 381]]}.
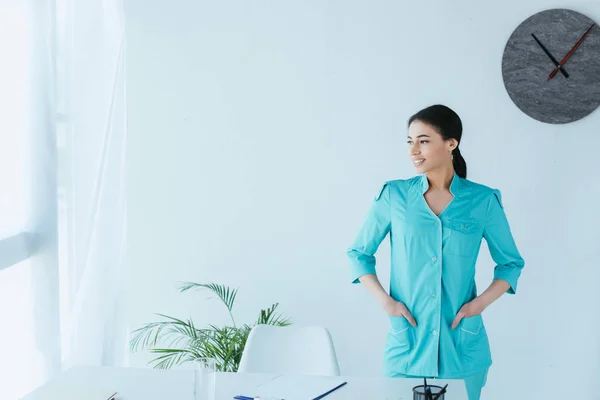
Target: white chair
{"points": [[289, 350]]}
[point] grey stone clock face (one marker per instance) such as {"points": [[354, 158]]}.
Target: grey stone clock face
{"points": [[526, 67]]}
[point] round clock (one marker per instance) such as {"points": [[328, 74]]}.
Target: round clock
{"points": [[551, 66]]}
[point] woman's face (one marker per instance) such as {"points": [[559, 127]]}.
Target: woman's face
{"points": [[427, 148]]}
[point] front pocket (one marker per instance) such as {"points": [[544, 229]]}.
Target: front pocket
{"points": [[400, 336], [464, 237], [470, 334]]}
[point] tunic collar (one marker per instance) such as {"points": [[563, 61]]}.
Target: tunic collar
{"points": [[455, 185]]}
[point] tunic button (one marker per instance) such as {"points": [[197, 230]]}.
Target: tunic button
{"points": [[434, 333], [434, 259]]}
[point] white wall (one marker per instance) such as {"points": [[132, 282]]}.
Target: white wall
{"points": [[260, 131]]}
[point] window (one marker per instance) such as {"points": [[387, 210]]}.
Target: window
{"points": [[15, 155], [28, 268]]}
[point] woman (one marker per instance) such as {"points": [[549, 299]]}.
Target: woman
{"points": [[436, 221]]}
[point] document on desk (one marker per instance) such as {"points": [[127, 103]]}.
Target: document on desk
{"points": [[59, 391], [299, 387]]}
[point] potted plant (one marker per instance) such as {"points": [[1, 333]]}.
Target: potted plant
{"points": [[176, 341]]}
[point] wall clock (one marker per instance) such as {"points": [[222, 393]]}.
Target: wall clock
{"points": [[551, 66]]}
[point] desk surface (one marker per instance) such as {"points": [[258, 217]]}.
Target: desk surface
{"points": [[152, 384]]}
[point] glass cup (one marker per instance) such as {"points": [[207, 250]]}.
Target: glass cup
{"points": [[204, 379]]}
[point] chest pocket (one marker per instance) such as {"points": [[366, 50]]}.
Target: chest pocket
{"points": [[463, 236]]}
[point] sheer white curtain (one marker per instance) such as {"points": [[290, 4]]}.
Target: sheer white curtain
{"points": [[92, 206], [29, 287], [62, 136]]}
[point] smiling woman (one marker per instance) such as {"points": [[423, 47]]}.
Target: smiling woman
{"points": [[437, 131], [437, 221]]}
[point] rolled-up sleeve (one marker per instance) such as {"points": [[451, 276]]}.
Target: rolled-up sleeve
{"points": [[374, 229], [501, 244]]}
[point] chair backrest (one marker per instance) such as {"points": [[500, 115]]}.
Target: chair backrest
{"points": [[289, 350]]}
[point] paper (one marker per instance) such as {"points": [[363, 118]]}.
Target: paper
{"points": [[57, 391], [298, 387]]}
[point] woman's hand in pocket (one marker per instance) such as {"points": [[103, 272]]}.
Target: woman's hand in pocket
{"points": [[398, 309], [470, 309]]}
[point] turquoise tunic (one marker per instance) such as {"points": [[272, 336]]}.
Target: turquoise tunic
{"points": [[433, 272]]}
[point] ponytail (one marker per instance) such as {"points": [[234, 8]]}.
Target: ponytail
{"points": [[459, 163]]}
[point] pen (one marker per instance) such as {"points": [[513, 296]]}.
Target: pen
{"points": [[441, 392], [427, 390]]}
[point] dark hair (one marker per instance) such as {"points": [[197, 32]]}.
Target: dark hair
{"points": [[449, 125]]}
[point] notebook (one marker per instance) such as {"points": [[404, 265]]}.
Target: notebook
{"points": [[58, 391], [299, 387]]}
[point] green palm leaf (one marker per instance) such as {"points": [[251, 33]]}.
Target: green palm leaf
{"points": [[170, 357], [182, 342], [174, 329], [226, 294], [268, 317]]}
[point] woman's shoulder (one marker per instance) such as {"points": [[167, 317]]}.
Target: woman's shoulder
{"points": [[397, 189], [403, 183], [479, 187], [485, 192]]}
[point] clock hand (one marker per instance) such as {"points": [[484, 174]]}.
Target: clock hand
{"points": [[564, 60], [558, 66]]}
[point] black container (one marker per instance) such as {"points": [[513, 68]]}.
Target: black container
{"points": [[419, 392]]}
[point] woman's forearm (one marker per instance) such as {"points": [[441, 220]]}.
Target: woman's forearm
{"points": [[373, 286], [493, 292]]}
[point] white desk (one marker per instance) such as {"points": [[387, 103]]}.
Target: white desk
{"points": [[152, 384]]}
